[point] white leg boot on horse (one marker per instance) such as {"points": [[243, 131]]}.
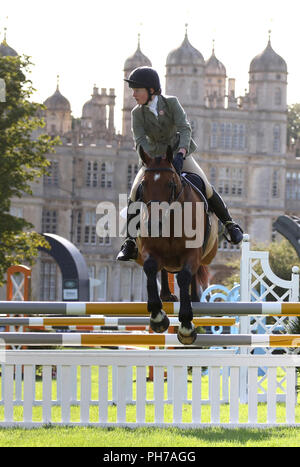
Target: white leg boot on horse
{"points": [[186, 332]]}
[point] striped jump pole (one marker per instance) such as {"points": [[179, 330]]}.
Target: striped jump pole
{"points": [[162, 340], [140, 308], [107, 321]]}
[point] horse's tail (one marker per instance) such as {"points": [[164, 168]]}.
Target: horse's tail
{"points": [[203, 276]]}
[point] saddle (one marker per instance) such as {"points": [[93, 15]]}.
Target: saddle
{"points": [[196, 182], [198, 185]]}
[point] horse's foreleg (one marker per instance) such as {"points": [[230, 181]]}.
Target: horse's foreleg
{"points": [[165, 292], [159, 322], [186, 332]]}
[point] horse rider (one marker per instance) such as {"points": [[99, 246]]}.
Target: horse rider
{"points": [[158, 121]]}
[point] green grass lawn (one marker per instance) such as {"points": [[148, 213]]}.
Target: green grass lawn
{"points": [[148, 437]]}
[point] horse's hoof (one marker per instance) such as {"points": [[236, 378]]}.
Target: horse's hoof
{"points": [[169, 298], [187, 336], [160, 325]]}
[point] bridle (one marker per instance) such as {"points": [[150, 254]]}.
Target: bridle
{"points": [[173, 197]]}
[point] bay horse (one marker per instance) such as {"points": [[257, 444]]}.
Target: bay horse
{"points": [[161, 183]]}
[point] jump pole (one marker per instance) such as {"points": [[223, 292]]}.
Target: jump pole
{"points": [[140, 308], [107, 321], [163, 340]]}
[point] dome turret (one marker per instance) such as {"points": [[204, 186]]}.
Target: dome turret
{"points": [[137, 59], [215, 81], [88, 108], [58, 114], [268, 61], [268, 81], [186, 54], [5, 49], [57, 102], [185, 78], [213, 66]]}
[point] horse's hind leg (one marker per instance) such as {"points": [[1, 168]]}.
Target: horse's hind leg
{"points": [[186, 332], [159, 322], [165, 292], [196, 289]]}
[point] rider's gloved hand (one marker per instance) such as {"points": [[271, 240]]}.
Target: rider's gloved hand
{"points": [[178, 162]]}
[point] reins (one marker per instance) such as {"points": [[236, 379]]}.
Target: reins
{"points": [[173, 196]]}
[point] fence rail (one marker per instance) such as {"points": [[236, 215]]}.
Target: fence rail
{"points": [[139, 360]]}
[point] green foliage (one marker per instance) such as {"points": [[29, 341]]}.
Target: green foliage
{"points": [[282, 257], [22, 160]]}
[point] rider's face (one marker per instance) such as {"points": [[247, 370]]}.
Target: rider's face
{"points": [[140, 95]]}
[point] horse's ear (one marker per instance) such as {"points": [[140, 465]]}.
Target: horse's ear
{"points": [[169, 154], [144, 156]]}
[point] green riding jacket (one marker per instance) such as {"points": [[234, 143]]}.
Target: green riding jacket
{"points": [[170, 127]]}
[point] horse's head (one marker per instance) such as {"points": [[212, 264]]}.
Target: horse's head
{"points": [[160, 181], [160, 184]]}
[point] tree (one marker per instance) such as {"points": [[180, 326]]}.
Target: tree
{"points": [[293, 123], [282, 257], [22, 161]]}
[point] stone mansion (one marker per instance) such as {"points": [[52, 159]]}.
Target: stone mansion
{"points": [[241, 146]]}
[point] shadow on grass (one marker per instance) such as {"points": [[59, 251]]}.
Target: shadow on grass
{"points": [[218, 435]]}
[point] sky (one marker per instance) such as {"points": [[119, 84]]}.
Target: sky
{"points": [[87, 42]]}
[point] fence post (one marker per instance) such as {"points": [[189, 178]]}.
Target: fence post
{"points": [[245, 281]]}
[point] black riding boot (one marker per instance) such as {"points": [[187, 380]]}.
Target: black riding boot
{"points": [[218, 206], [128, 249]]}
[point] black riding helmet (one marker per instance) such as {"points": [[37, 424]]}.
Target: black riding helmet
{"points": [[144, 77]]}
